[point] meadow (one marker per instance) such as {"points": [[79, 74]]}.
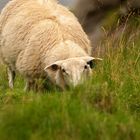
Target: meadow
{"points": [[106, 107]]}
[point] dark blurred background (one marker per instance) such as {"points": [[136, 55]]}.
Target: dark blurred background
{"points": [[94, 15]]}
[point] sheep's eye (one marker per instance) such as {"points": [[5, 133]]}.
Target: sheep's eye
{"points": [[64, 72], [91, 64]]}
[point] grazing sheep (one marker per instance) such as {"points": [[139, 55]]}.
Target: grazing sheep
{"points": [[42, 39]]}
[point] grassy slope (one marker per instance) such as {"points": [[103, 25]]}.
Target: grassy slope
{"points": [[106, 107]]}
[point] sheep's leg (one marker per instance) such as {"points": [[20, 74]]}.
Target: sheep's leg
{"points": [[11, 77], [26, 88], [29, 85]]}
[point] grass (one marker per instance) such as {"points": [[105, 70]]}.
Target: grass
{"points": [[106, 107]]}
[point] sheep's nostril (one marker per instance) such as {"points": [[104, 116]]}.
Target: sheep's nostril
{"points": [[63, 70], [86, 67]]}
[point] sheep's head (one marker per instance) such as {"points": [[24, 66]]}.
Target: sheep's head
{"points": [[72, 71]]}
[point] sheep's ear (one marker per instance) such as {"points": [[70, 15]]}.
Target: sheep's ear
{"points": [[92, 61], [54, 67]]}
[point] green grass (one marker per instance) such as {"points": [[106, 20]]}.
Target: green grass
{"points": [[106, 107]]}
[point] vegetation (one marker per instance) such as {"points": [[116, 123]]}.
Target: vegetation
{"points": [[105, 107]]}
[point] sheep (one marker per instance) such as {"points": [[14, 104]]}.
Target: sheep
{"points": [[43, 39]]}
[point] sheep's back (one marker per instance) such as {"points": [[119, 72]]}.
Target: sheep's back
{"points": [[16, 22], [19, 19]]}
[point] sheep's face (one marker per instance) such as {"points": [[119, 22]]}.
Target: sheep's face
{"points": [[70, 72]]}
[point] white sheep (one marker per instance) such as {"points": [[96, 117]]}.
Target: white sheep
{"points": [[41, 38]]}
